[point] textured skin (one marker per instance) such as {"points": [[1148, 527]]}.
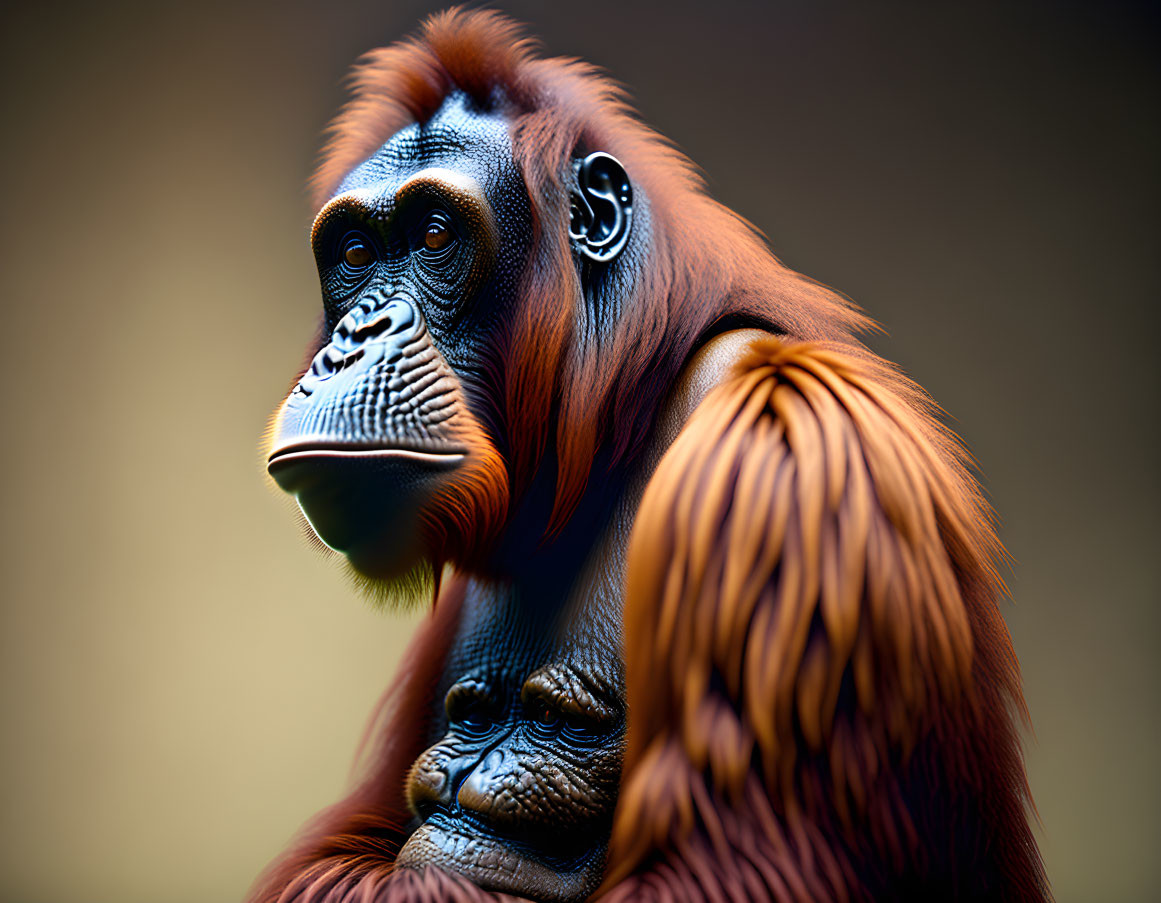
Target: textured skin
{"points": [[519, 783], [461, 140], [514, 807], [524, 780], [503, 408], [405, 338]]}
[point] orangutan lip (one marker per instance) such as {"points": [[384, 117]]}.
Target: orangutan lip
{"points": [[497, 864], [444, 821], [307, 452]]}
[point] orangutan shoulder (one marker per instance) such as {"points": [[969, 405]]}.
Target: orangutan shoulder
{"points": [[711, 365]]}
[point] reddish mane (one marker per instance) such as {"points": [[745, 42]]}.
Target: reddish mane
{"points": [[704, 263], [860, 668]]}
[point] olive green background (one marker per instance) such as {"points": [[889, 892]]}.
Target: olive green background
{"points": [[183, 679]]}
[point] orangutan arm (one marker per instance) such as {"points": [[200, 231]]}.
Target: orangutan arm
{"points": [[819, 683]]}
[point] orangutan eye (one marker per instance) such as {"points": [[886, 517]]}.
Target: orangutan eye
{"points": [[471, 708], [356, 252], [579, 723], [543, 717], [438, 237], [475, 722]]}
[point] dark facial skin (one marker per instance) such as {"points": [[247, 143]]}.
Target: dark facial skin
{"points": [[418, 255], [517, 790], [518, 794]]}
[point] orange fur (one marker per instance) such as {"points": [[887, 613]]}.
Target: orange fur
{"points": [[467, 513], [819, 678], [792, 702], [705, 263]]}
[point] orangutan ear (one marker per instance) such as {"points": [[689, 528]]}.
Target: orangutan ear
{"points": [[601, 211]]}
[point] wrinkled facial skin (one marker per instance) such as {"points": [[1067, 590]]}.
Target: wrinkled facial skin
{"points": [[418, 255], [518, 794]]}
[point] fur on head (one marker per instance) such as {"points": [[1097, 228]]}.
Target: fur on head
{"points": [[584, 365]]}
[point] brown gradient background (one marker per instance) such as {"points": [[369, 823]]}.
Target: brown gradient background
{"points": [[183, 680]]}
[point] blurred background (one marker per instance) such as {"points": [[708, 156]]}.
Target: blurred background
{"points": [[183, 680]]}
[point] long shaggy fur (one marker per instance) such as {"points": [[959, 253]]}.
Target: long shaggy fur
{"points": [[821, 685], [602, 364], [821, 690]]}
